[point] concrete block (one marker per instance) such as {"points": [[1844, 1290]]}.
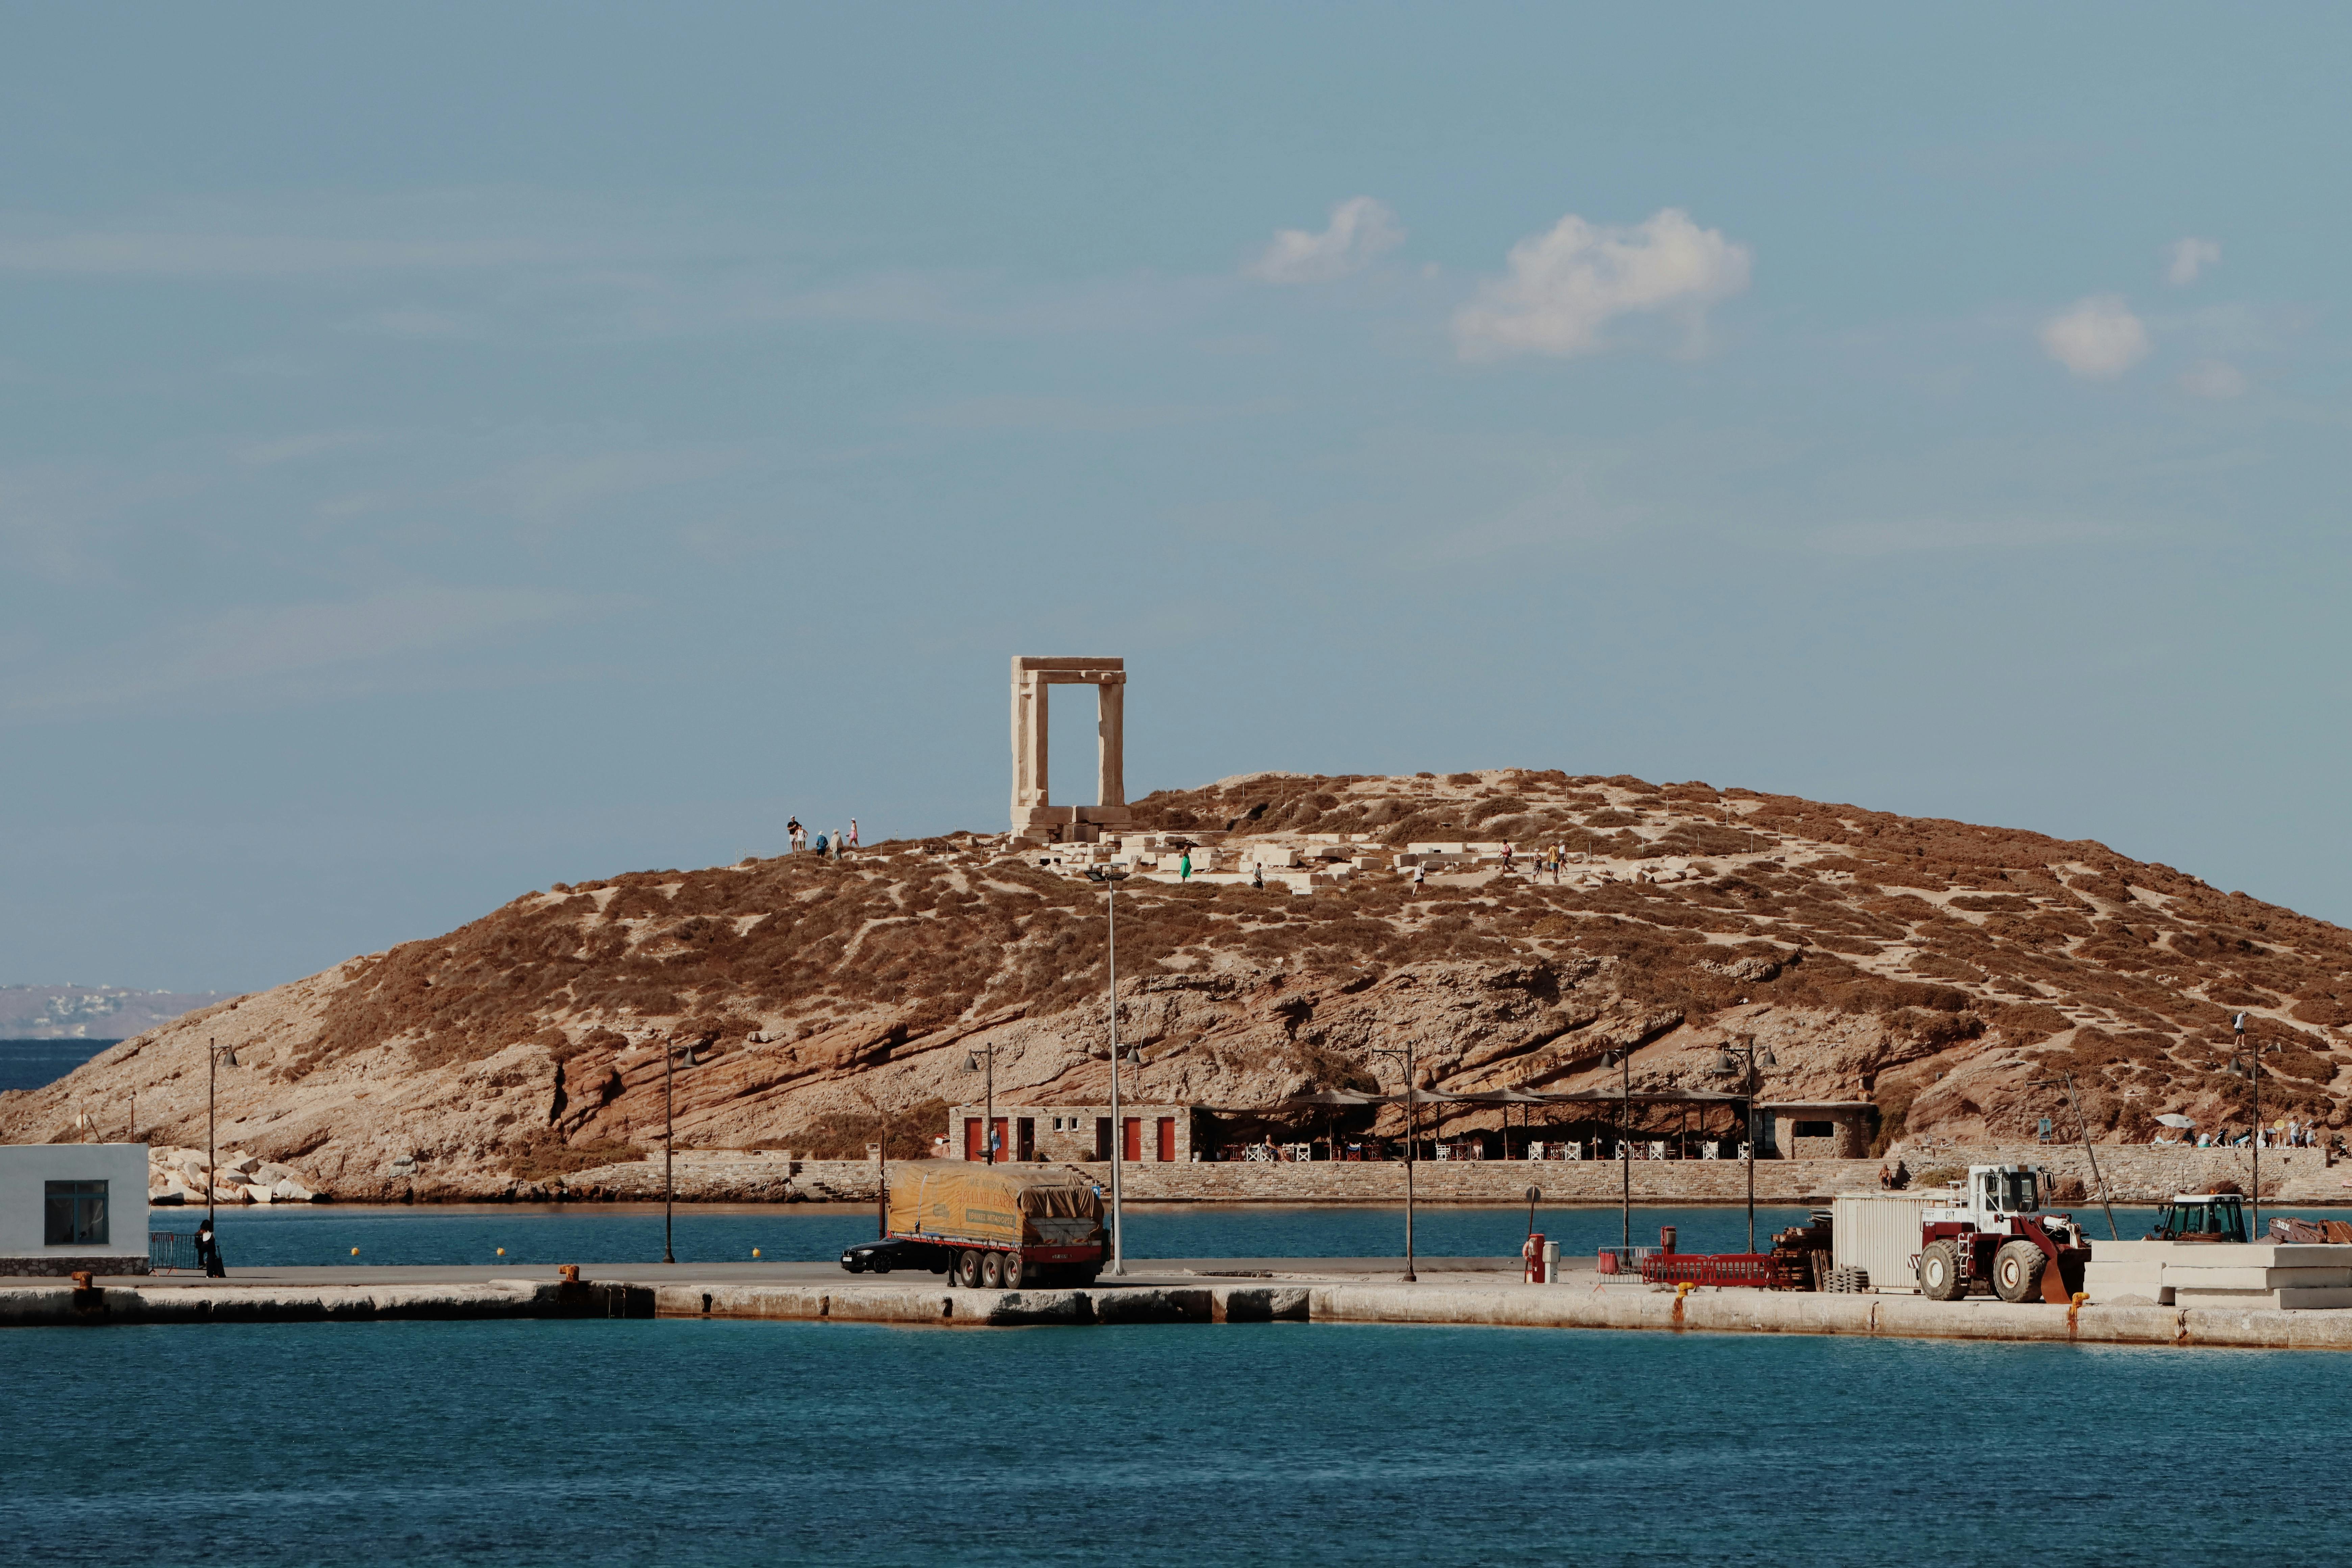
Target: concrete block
{"points": [[2294, 1299]]}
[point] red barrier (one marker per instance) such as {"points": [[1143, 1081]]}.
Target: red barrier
{"points": [[1750, 1268]]}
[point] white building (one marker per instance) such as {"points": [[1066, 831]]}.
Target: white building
{"points": [[68, 1206]]}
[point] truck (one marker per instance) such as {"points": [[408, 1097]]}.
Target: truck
{"points": [[1993, 1233], [1000, 1227]]}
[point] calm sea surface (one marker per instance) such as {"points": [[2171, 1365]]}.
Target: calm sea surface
{"points": [[716, 1443]]}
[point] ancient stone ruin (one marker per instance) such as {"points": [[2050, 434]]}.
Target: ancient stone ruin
{"points": [[1036, 818]]}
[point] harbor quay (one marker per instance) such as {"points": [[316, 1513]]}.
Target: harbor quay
{"points": [[1452, 1291]]}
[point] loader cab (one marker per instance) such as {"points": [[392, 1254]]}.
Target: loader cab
{"points": [[2201, 1217], [1991, 1195]]}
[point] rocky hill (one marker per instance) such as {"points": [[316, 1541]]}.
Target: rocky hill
{"points": [[1935, 968]]}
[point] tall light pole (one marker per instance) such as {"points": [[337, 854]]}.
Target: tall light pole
{"points": [[1624, 1137], [1731, 1058], [1410, 1130], [882, 1175], [669, 1143], [213, 1057], [1110, 881], [973, 1062], [2247, 1063]]}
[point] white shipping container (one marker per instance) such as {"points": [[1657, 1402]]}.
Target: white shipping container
{"points": [[1880, 1232]]}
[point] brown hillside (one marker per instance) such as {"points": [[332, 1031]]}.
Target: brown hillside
{"points": [[1935, 967]]}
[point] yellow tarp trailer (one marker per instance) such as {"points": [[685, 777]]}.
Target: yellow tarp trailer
{"points": [[991, 1216]]}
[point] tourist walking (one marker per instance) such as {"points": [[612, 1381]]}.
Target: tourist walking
{"points": [[1184, 867], [837, 842], [795, 834], [1418, 873], [853, 833], [820, 845]]}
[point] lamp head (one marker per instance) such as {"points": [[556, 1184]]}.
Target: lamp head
{"points": [[970, 1061], [1726, 1062], [1768, 1059], [229, 1056]]}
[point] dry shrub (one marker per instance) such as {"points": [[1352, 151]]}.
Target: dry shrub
{"points": [[844, 1135], [543, 1156], [2031, 1021]]}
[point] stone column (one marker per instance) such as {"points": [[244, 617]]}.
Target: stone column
{"points": [[1111, 777], [1020, 742]]}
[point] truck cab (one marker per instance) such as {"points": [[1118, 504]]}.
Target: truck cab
{"points": [[1995, 1194]]}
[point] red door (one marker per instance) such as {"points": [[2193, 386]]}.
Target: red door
{"points": [[1132, 1138], [1167, 1140], [971, 1150]]}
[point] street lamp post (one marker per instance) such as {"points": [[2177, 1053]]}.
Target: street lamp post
{"points": [[214, 1055], [972, 1062], [882, 1173], [1624, 1065], [2247, 1063], [669, 1144], [1410, 1130], [1731, 1058], [1110, 881]]}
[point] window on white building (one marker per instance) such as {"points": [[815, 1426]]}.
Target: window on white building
{"points": [[76, 1215]]}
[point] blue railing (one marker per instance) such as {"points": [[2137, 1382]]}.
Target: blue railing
{"points": [[169, 1251]]}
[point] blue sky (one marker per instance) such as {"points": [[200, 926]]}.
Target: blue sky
{"points": [[455, 449]]}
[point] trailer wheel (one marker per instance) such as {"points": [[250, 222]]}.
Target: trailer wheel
{"points": [[967, 1273], [991, 1269], [2016, 1271], [1940, 1278], [1013, 1269]]}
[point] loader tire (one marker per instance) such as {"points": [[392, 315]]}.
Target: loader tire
{"points": [[2016, 1271], [1940, 1278]]}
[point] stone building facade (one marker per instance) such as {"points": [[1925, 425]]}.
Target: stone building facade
{"points": [[1815, 1129], [1155, 1134]]}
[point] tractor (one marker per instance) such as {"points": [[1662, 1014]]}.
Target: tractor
{"points": [[2201, 1217], [1993, 1233]]}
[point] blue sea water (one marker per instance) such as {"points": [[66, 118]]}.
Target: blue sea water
{"points": [[694, 1442], [607, 1234], [33, 1064]]}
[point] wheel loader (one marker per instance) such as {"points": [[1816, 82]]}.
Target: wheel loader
{"points": [[1994, 1235]]}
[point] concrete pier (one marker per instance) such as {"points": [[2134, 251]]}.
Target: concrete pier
{"points": [[1303, 1291]]}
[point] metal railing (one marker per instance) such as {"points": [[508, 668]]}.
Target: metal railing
{"points": [[169, 1251]]}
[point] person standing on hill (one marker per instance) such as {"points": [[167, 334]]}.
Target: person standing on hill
{"points": [[837, 842], [1184, 867], [795, 834], [820, 845], [853, 833]]}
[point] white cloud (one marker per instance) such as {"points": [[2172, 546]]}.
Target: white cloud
{"points": [[1566, 285], [1360, 228], [2212, 378], [2097, 337], [2185, 259]]}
